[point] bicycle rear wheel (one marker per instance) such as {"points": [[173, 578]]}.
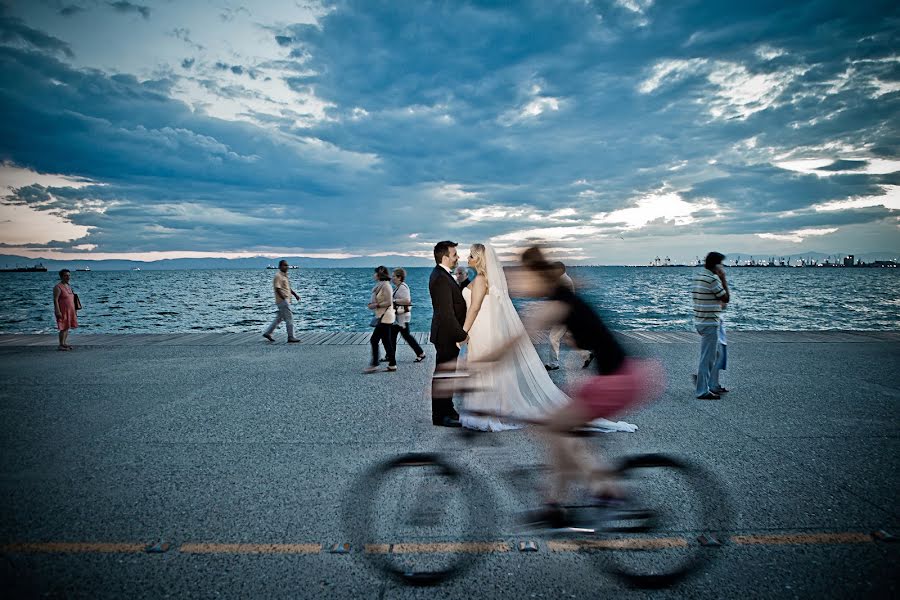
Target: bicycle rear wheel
{"points": [[651, 541], [418, 519]]}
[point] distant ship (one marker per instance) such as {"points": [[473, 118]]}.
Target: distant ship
{"points": [[275, 268], [39, 268], [136, 269], [84, 269]]}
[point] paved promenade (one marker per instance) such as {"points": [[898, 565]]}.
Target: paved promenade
{"points": [[239, 453]]}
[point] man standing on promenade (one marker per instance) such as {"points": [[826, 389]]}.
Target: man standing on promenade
{"points": [[709, 295], [446, 328], [283, 293], [559, 331]]}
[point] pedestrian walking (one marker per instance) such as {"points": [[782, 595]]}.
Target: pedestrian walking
{"points": [[709, 295], [558, 331], [403, 309], [283, 296], [382, 306], [64, 308]]}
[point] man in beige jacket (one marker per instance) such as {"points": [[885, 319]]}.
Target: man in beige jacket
{"points": [[283, 293]]}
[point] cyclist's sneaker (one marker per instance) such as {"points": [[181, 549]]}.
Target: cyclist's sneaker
{"points": [[552, 516]]}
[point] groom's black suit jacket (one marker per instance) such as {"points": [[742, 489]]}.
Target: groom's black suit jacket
{"points": [[449, 308]]}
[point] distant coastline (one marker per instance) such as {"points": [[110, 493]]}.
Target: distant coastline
{"points": [[261, 262]]}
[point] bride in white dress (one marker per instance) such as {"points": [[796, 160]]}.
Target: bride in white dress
{"points": [[520, 386]]}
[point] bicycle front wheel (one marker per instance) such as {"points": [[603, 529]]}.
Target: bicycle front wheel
{"points": [[651, 540], [418, 519]]}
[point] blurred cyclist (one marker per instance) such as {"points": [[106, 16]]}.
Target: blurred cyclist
{"points": [[621, 383]]}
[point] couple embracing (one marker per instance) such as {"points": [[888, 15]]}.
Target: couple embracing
{"points": [[478, 314]]}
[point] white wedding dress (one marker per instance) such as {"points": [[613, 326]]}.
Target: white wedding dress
{"points": [[520, 385], [494, 385]]}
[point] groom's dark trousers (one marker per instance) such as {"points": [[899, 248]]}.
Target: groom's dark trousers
{"points": [[442, 406], [446, 330]]}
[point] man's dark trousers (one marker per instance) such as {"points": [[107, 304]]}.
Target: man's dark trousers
{"points": [[442, 406]]}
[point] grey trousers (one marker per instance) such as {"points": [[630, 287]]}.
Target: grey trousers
{"points": [[284, 314], [555, 337], [707, 371]]}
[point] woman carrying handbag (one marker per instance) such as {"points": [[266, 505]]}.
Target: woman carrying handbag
{"points": [[382, 305]]}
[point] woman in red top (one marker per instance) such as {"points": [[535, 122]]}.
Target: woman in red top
{"points": [[64, 309]]}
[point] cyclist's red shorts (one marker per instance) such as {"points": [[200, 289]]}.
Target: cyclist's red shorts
{"points": [[635, 383]]}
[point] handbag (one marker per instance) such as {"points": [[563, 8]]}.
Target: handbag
{"points": [[77, 302], [401, 308]]}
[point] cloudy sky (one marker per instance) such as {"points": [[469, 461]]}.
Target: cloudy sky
{"points": [[613, 131]]}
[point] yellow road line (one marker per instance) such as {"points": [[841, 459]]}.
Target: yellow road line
{"points": [[647, 543], [450, 547], [250, 548], [73, 547], [803, 538], [620, 544]]}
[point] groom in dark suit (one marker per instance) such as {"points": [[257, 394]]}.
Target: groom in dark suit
{"points": [[446, 327]]}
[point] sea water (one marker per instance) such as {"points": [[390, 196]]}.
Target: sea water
{"points": [[642, 298]]}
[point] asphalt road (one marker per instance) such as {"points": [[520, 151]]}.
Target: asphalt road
{"points": [[242, 459]]}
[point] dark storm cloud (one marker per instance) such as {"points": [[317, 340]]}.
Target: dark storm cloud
{"points": [[71, 10], [14, 30], [127, 7]]}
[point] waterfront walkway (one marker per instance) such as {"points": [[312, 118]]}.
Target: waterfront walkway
{"points": [[360, 338], [238, 453]]}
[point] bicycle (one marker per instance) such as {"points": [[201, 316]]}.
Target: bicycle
{"points": [[635, 539]]}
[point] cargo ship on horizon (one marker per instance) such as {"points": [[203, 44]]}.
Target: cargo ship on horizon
{"points": [[38, 268]]}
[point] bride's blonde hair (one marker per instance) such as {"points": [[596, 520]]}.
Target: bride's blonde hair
{"points": [[477, 252]]}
